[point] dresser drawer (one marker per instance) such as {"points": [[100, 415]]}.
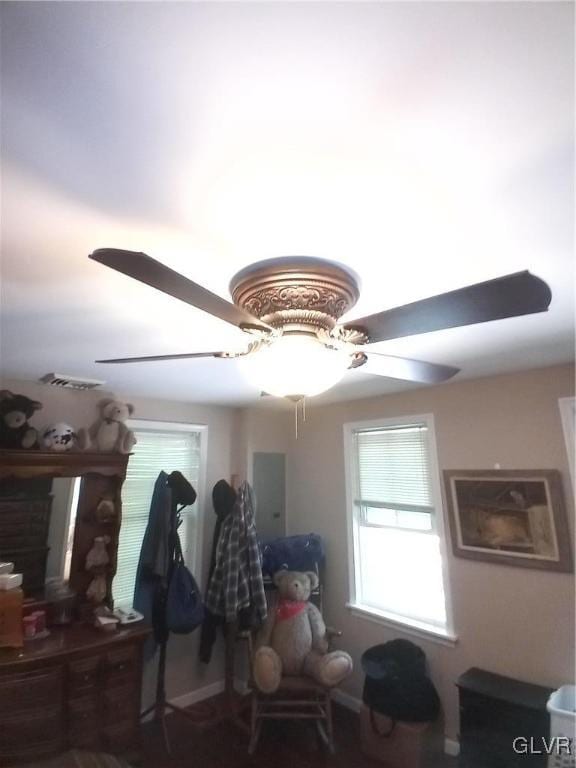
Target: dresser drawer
{"points": [[121, 737], [25, 734], [84, 720], [120, 703], [31, 691], [83, 711], [83, 674], [120, 666], [87, 738]]}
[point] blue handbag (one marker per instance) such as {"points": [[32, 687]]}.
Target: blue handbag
{"points": [[184, 607]]}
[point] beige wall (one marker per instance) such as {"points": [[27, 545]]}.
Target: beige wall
{"points": [[184, 672], [513, 621], [261, 429]]}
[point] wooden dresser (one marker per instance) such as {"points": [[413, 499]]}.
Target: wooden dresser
{"points": [[78, 688]]}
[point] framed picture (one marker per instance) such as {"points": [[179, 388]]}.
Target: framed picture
{"points": [[512, 517]]}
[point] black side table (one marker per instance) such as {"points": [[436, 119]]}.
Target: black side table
{"points": [[496, 710]]}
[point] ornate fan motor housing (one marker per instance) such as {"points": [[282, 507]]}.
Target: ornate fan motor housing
{"points": [[296, 294]]}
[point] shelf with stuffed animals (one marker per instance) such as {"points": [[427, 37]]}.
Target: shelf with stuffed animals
{"points": [[53, 527], [108, 434]]}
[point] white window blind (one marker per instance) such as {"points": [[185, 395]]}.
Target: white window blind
{"points": [[394, 467], [397, 570], [156, 451]]}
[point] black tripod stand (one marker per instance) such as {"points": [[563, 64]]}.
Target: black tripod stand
{"points": [[182, 495]]}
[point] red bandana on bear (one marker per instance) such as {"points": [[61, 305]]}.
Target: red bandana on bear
{"points": [[287, 609]]}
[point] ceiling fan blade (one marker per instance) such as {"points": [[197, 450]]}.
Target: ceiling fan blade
{"points": [[404, 368], [156, 358], [147, 270], [509, 296]]}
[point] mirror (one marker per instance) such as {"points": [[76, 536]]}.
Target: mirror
{"points": [[65, 494], [37, 520]]}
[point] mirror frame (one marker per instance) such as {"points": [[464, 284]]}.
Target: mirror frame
{"points": [[102, 477]]}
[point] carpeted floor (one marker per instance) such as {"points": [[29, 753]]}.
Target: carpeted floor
{"points": [[215, 743]]}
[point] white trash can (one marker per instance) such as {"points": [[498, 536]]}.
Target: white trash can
{"points": [[562, 708]]}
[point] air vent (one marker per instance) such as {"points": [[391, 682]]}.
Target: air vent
{"points": [[70, 382]]}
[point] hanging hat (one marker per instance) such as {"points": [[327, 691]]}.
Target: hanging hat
{"points": [[182, 492], [223, 498]]}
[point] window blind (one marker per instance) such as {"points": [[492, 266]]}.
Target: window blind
{"points": [[155, 451], [394, 466]]}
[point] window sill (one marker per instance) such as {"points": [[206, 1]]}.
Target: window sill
{"points": [[415, 628]]}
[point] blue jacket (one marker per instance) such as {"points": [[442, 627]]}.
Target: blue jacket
{"points": [[154, 562]]}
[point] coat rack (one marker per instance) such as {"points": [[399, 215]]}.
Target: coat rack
{"points": [[231, 637], [183, 495]]}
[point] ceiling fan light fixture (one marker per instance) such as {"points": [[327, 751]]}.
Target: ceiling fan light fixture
{"points": [[295, 365], [292, 309]]}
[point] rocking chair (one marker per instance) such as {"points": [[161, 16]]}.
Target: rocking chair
{"points": [[297, 698]]}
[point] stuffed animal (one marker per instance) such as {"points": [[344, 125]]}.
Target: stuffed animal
{"points": [[293, 639], [105, 511], [58, 437], [98, 555], [97, 589], [110, 433], [15, 410]]}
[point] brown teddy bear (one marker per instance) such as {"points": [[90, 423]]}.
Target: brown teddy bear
{"points": [[293, 639], [15, 410]]}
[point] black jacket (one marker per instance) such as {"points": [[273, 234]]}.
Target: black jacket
{"points": [[223, 499]]}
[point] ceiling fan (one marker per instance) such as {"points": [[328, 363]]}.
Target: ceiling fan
{"points": [[290, 309]]}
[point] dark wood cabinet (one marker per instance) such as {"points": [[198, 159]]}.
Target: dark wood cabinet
{"points": [[495, 710], [78, 688]]}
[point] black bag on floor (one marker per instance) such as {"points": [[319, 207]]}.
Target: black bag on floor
{"points": [[397, 684]]}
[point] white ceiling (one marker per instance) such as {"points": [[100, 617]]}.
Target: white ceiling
{"points": [[427, 145]]}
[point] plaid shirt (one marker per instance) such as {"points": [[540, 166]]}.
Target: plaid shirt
{"points": [[236, 581]]}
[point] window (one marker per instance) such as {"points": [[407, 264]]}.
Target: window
{"points": [[161, 446], [395, 523]]}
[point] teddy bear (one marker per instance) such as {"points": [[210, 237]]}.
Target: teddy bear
{"points": [[109, 432], [293, 639], [15, 410]]}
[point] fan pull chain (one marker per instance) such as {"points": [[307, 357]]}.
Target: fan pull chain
{"points": [[296, 419], [304, 409]]}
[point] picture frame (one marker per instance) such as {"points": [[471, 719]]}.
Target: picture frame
{"points": [[511, 517]]}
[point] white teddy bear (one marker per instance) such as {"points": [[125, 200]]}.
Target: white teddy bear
{"points": [[110, 433]]}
